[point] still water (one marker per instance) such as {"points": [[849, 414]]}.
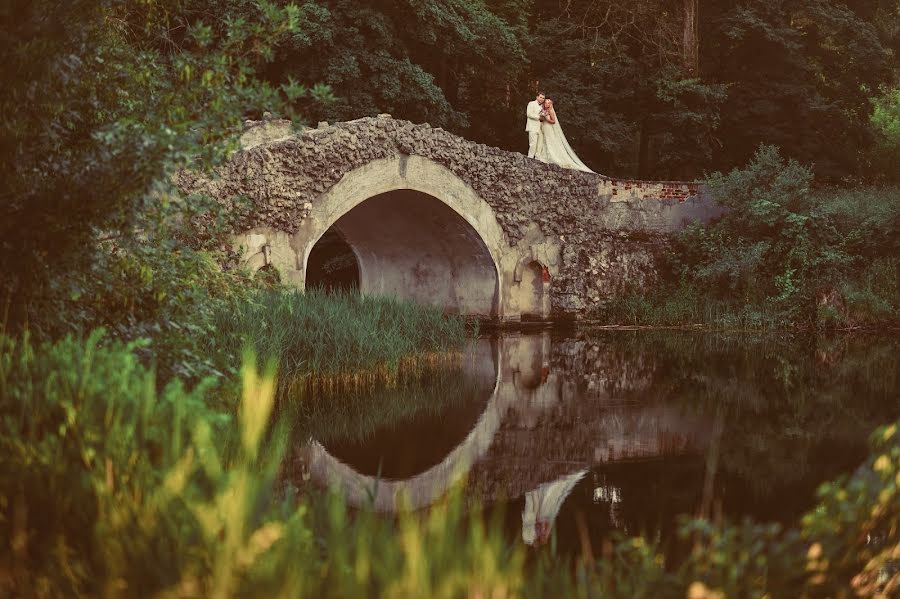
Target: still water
{"points": [[573, 433]]}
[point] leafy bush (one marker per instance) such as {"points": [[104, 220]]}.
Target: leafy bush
{"points": [[108, 487], [119, 94], [885, 120], [84, 434], [784, 255]]}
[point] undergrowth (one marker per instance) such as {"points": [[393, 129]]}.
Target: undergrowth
{"points": [[111, 486], [785, 255]]}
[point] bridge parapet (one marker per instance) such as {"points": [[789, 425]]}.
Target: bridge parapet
{"points": [[281, 170]]}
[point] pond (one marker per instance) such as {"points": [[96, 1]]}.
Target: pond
{"points": [[575, 435]]}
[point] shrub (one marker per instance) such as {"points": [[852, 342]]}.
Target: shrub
{"points": [[320, 337], [784, 255], [109, 487]]}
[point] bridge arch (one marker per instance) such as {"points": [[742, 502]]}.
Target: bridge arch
{"points": [[417, 230]]}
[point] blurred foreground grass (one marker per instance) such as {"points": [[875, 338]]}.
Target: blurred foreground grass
{"points": [[110, 486]]}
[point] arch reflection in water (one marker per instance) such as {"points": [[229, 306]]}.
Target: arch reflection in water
{"points": [[420, 490], [537, 437]]}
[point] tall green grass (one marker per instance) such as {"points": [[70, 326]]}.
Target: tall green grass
{"points": [[319, 337], [867, 301], [112, 487], [686, 305]]}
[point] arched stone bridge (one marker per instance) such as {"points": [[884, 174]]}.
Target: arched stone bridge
{"points": [[414, 211]]}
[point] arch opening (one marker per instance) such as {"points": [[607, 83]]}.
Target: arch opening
{"points": [[332, 264], [534, 291], [267, 276], [412, 245]]}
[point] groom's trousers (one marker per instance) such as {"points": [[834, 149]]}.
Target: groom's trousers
{"points": [[532, 143]]}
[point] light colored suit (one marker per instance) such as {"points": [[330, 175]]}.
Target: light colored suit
{"points": [[533, 126]]}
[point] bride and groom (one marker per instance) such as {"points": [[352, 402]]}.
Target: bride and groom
{"points": [[546, 140]]}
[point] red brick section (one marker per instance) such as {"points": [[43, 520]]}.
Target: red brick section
{"points": [[663, 190]]}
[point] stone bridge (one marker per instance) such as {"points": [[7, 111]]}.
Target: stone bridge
{"points": [[409, 210]]}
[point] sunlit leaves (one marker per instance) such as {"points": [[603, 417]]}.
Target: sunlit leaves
{"points": [[294, 90]]}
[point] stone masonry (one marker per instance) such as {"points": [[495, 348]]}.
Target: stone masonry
{"points": [[595, 235]]}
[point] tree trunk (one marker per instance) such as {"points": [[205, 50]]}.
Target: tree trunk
{"points": [[691, 44], [644, 150]]}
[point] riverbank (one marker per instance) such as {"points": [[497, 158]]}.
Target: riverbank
{"points": [[112, 487], [335, 340]]}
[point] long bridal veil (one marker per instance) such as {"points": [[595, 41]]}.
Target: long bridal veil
{"points": [[555, 149]]}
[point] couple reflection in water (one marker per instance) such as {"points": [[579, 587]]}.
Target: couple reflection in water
{"points": [[542, 506]]}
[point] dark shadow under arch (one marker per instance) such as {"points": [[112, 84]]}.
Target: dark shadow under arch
{"points": [[332, 264], [411, 245]]}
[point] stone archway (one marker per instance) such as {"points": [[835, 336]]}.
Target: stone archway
{"points": [[532, 289], [409, 244], [300, 183], [418, 232]]}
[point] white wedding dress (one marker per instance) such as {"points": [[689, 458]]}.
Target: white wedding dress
{"points": [[542, 506], [555, 149]]}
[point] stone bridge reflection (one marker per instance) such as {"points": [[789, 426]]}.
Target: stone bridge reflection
{"points": [[539, 433]]}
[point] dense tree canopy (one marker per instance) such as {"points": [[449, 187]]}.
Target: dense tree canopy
{"points": [[651, 88], [101, 100]]}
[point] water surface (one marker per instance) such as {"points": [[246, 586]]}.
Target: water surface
{"points": [[619, 431]]}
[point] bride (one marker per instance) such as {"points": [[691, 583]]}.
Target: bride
{"points": [[552, 146]]}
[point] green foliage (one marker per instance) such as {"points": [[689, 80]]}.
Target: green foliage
{"points": [[85, 433], [118, 94], [886, 122], [625, 101], [886, 116], [110, 487], [782, 72], [853, 531], [164, 284], [784, 255], [769, 235], [329, 335], [436, 61], [795, 81]]}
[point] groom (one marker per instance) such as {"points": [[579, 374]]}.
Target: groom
{"points": [[533, 124]]}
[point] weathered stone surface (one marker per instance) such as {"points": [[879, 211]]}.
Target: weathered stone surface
{"points": [[592, 234]]}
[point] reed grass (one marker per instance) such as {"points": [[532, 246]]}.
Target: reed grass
{"points": [[863, 306], [334, 341], [355, 414], [408, 369]]}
